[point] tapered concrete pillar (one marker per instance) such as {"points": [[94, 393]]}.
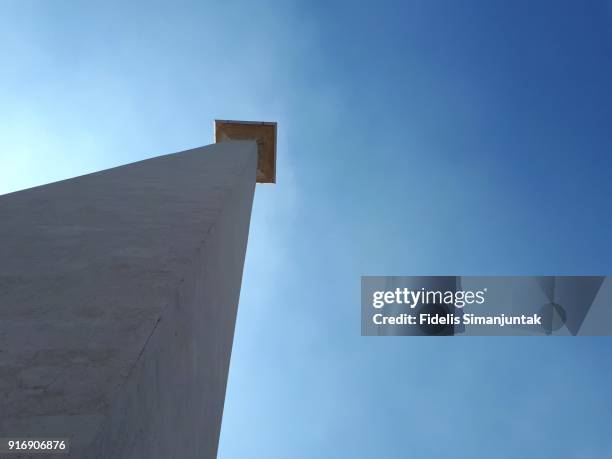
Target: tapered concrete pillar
{"points": [[118, 299]]}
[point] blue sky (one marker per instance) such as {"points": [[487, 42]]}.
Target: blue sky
{"points": [[415, 137]]}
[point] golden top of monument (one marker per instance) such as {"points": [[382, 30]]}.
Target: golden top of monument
{"points": [[264, 133]]}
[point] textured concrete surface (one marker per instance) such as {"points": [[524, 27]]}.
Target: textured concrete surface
{"points": [[118, 297]]}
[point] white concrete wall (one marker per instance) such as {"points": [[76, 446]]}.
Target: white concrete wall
{"points": [[118, 297]]}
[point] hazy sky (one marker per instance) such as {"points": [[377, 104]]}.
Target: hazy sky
{"points": [[415, 137]]}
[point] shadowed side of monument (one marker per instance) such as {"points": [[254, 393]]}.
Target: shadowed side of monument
{"points": [[118, 299]]}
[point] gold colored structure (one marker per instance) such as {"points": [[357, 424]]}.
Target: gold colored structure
{"points": [[264, 133]]}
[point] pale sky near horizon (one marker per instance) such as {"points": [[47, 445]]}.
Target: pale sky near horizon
{"points": [[415, 137]]}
